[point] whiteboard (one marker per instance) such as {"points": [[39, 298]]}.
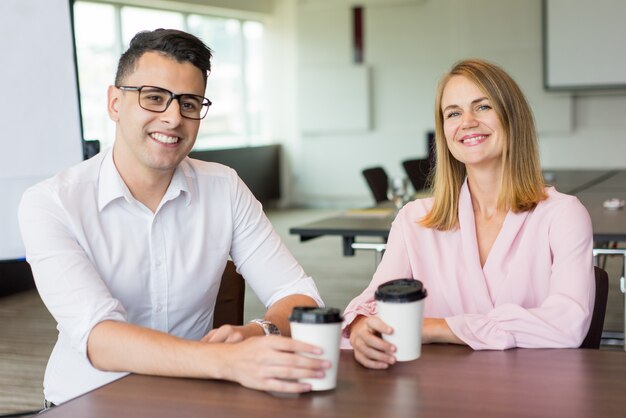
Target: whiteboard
{"points": [[41, 133], [584, 44], [334, 99]]}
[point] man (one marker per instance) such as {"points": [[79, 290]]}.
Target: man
{"points": [[127, 248]]}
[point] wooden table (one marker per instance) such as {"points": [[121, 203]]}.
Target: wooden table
{"points": [[447, 381]]}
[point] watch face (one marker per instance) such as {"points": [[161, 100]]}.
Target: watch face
{"points": [[268, 327], [272, 329]]}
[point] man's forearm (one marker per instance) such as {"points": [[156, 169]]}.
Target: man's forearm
{"points": [[279, 312], [119, 346], [273, 363]]}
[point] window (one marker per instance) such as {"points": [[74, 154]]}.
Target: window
{"points": [[236, 118]]}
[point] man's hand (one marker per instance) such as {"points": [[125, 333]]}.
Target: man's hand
{"points": [[273, 363], [232, 333], [369, 348]]}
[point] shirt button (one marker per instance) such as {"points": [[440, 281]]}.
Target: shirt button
{"points": [[159, 308], [158, 263]]}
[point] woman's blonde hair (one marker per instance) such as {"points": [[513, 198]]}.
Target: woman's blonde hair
{"points": [[522, 185]]}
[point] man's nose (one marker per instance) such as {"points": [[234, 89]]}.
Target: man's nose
{"points": [[172, 115]]}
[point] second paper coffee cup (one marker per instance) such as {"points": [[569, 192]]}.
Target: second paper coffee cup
{"points": [[400, 304], [320, 327]]}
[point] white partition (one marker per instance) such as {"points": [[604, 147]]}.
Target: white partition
{"points": [[41, 133]]}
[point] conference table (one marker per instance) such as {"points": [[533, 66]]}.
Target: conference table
{"points": [[592, 187], [446, 381]]}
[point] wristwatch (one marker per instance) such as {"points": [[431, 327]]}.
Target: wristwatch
{"points": [[268, 327]]}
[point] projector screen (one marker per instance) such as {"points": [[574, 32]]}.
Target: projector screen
{"points": [[584, 44], [42, 130]]}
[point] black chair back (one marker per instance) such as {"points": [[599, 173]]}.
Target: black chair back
{"points": [[418, 171], [378, 182], [594, 335]]}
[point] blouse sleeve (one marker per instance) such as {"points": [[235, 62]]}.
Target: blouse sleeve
{"points": [[563, 317], [394, 265]]}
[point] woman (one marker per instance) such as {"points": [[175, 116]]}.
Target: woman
{"points": [[507, 262]]}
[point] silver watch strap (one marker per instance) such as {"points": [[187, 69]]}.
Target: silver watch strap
{"points": [[267, 326]]}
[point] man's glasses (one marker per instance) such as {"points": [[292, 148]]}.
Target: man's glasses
{"points": [[157, 99]]}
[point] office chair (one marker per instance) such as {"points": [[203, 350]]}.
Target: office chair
{"points": [[230, 298], [378, 182], [594, 335], [418, 171]]}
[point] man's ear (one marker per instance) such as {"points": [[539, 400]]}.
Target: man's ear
{"points": [[113, 103]]}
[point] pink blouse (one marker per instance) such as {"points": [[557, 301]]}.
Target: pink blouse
{"points": [[536, 288]]}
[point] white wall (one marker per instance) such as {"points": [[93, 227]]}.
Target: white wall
{"points": [[408, 45], [280, 74]]}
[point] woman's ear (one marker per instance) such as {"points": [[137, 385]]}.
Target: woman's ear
{"points": [[113, 102]]}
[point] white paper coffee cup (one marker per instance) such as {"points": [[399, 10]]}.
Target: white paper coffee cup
{"points": [[400, 305], [320, 327]]}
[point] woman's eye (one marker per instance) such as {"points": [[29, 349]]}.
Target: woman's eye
{"points": [[452, 115], [484, 107]]}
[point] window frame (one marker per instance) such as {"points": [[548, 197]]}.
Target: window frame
{"points": [[247, 137]]}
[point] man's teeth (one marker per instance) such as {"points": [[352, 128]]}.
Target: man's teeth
{"points": [[164, 138]]}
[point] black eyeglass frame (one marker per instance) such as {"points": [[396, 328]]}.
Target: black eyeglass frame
{"points": [[205, 103]]}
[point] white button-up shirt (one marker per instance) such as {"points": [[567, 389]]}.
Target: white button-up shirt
{"points": [[97, 254]]}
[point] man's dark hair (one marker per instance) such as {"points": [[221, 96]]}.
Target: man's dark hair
{"points": [[178, 45]]}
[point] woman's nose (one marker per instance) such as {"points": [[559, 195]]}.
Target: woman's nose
{"points": [[469, 120]]}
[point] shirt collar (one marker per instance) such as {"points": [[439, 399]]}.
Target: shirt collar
{"points": [[111, 186], [110, 183], [181, 183]]}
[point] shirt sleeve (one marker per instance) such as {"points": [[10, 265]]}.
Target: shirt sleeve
{"points": [[66, 279], [562, 319], [259, 254], [394, 265]]}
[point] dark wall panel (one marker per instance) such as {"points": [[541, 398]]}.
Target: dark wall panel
{"points": [[258, 167]]}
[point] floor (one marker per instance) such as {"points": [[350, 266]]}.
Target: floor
{"points": [[28, 332]]}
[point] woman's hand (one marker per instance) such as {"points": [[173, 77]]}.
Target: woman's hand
{"points": [[369, 348]]}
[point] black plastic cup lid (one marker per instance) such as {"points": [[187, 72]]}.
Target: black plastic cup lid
{"points": [[400, 291], [313, 315]]}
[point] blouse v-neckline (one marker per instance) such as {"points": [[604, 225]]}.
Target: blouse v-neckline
{"points": [[486, 277]]}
